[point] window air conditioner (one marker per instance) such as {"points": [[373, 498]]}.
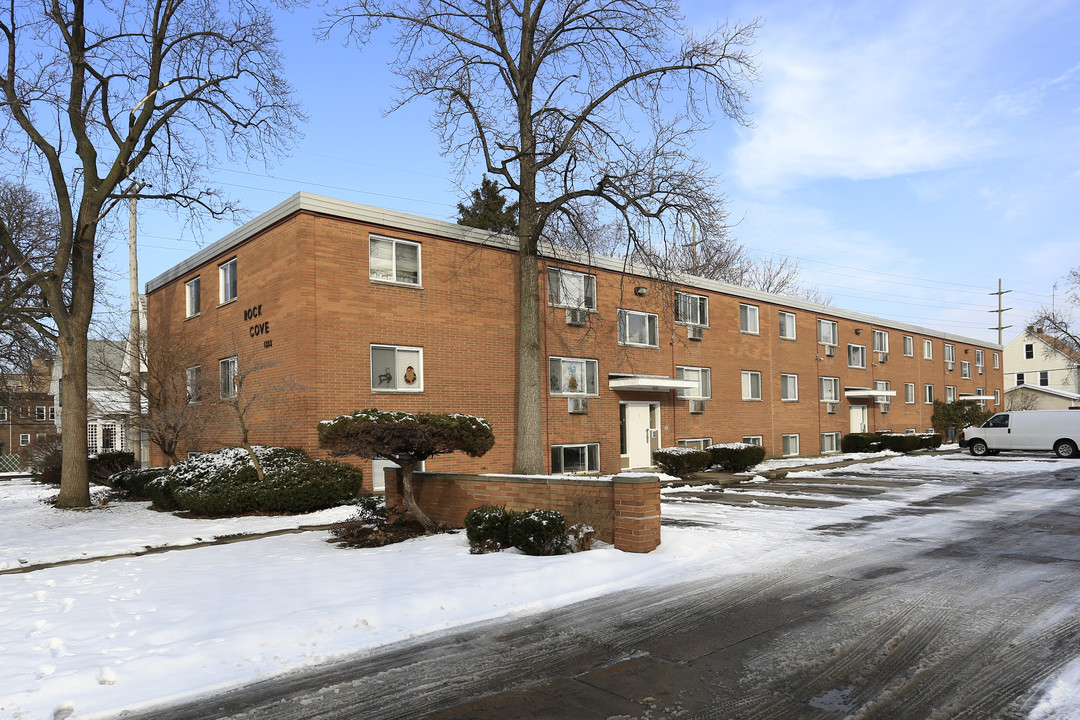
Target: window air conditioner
{"points": [[578, 405], [697, 406], [830, 350], [884, 407], [980, 369], [577, 316], [832, 407], [950, 366], [882, 357], [695, 332]]}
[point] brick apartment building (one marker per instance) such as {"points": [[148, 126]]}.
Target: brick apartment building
{"points": [[360, 307], [27, 414]]}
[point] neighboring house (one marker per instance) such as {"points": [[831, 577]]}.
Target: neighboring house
{"points": [[1047, 367], [363, 307], [27, 413]]}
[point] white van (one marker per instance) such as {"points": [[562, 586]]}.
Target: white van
{"points": [[1057, 430]]}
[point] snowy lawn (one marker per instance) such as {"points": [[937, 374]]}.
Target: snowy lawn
{"points": [[91, 639]]}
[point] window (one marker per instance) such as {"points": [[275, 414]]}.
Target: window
{"points": [[856, 356], [830, 442], [789, 387], [691, 309], [881, 341], [830, 389], [751, 385], [695, 443], [92, 437], [997, 361], [394, 261], [39, 413], [24, 439], [397, 368], [228, 377], [929, 394], [787, 325], [997, 397], [194, 384], [572, 376], [827, 332], [928, 349], [52, 412], [1019, 379], [981, 403], [883, 386], [24, 412], [950, 393], [638, 328], [1029, 351], [38, 437], [698, 375], [3, 414], [979, 359], [909, 346], [571, 289], [1044, 378], [752, 440], [909, 393], [790, 444], [998, 421], [575, 458], [227, 281], [950, 353], [193, 295], [965, 370], [748, 318]]}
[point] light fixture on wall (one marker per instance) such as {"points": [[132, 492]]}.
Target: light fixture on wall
{"points": [[858, 331], [640, 290]]}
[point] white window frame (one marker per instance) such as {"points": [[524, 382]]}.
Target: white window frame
{"points": [[997, 398], [590, 457], [3, 414], [980, 359], [24, 439], [652, 328], [928, 349], [193, 384], [753, 440], [909, 346], [831, 382], [749, 319], [52, 413], [833, 440], [227, 282], [691, 309], [225, 375], [555, 284], [852, 351], [416, 387], [928, 394], [997, 362], [950, 353], [1020, 379], [395, 278], [748, 377], [787, 379], [590, 366], [790, 324], [950, 393], [39, 413], [828, 332], [909, 393], [784, 440], [696, 443], [701, 375], [1029, 351], [1044, 378], [965, 369], [193, 296], [881, 341]]}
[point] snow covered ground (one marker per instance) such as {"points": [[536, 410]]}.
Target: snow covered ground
{"points": [[91, 639]]}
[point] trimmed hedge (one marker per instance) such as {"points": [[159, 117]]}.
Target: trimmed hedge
{"points": [[681, 462], [489, 525], [929, 441], [108, 463], [534, 532], [897, 442], [861, 442], [134, 483], [224, 482], [736, 457]]}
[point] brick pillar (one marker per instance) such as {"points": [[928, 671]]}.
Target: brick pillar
{"points": [[637, 512]]}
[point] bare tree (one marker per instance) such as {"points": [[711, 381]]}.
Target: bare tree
{"points": [[781, 276], [1021, 400], [127, 99], [578, 107]]}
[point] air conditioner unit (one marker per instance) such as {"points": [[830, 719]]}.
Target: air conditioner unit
{"points": [[697, 406], [578, 406], [833, 408], [883, 407], [830, 350], [950, 366], [695, 332], [882, 357], [981, 370], [577, 316]]}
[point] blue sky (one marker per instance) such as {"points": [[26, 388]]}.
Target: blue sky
{"points": [[907, 154]]}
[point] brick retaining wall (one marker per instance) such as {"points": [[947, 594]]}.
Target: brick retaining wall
{"points": [[624, 509]]}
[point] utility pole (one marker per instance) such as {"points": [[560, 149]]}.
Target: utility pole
{"points": [[693, 249], [134, 427], [1000, 310]]}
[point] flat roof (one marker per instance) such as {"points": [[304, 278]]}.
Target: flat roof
{"points": [[310, 202]]}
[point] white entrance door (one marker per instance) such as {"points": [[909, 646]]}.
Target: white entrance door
{"points": [[641, 436], [860, 418]]}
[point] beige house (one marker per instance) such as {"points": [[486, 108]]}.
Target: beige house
{"points": [[1041, 372]]}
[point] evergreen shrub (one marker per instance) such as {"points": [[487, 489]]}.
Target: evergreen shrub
{"points": [[488, 527], [133, 483], [681, 462], [861, 443], [534, 532], [899, 443], [736, 457], [108, 463], [929, 441]]}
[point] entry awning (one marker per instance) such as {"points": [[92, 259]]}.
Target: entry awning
{"points": [[972, 397], [861, 392], [649, 383]]}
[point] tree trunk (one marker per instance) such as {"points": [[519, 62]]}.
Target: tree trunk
{"points": [[75, 474], [409, 497]]}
